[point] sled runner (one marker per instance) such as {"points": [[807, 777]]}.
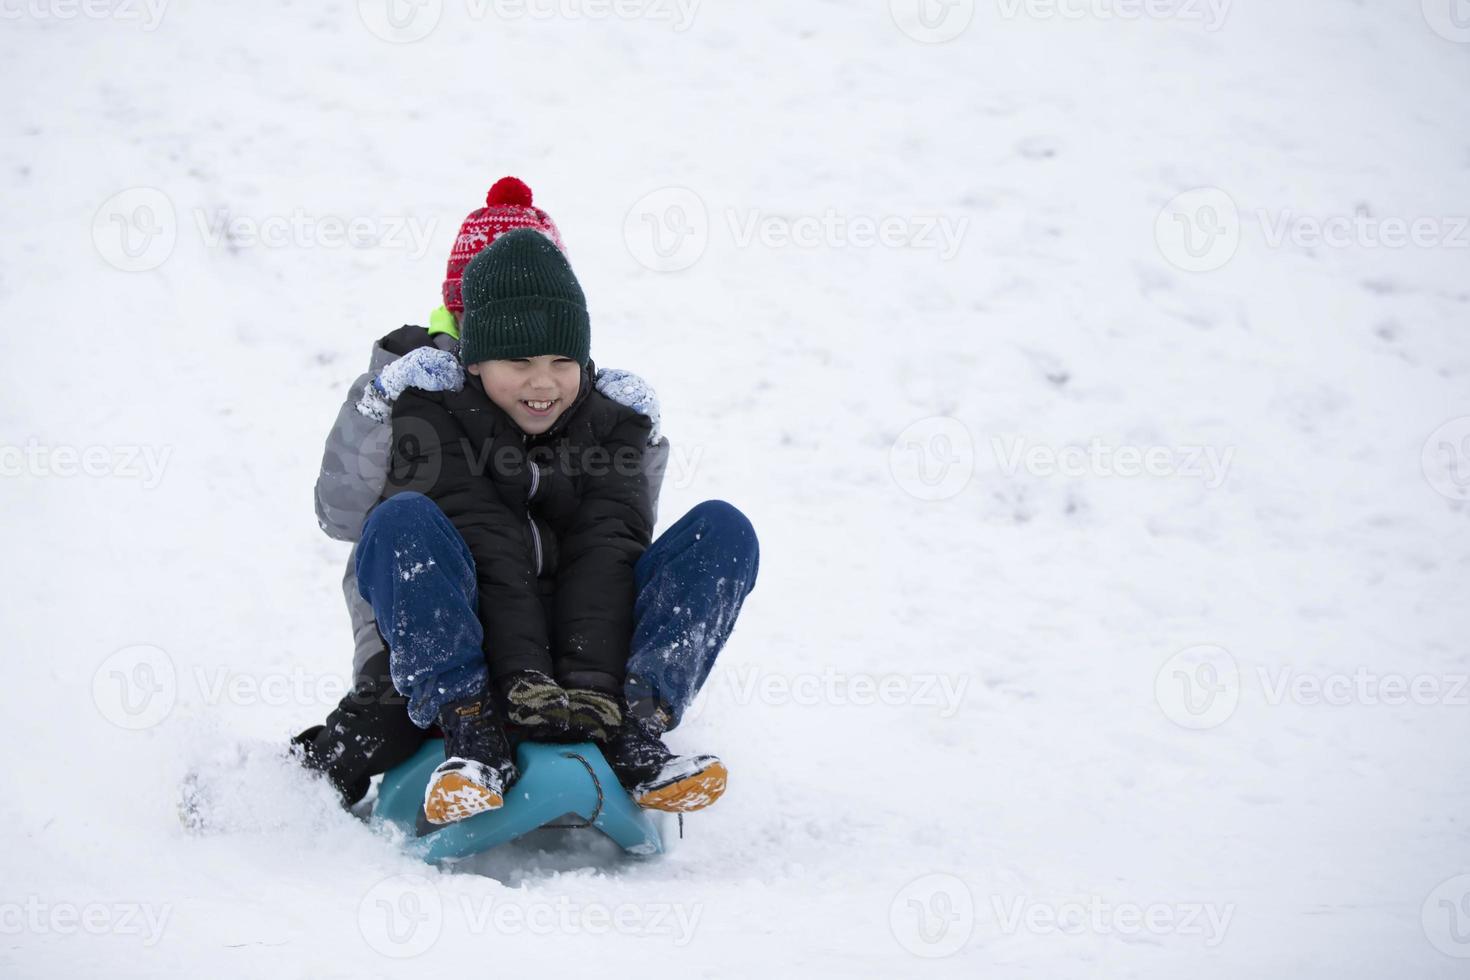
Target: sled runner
{"points": [[561, 785]]}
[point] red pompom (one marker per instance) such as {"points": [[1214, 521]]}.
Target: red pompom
{"points": [[509, 190]]}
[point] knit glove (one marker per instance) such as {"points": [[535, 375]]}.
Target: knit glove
{"points": [[596, 716], [631, 391], [426, 368]]}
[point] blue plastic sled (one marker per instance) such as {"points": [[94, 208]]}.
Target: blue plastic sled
{"points": [[559, 784]]}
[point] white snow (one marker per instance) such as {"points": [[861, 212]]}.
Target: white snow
{"points": [[978, 687]]}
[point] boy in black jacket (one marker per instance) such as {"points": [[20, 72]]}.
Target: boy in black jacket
{"points": [[509, 566]]}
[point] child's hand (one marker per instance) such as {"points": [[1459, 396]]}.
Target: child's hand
{"points": [[536, 703], [596, 715], [426, 368], [631, 391]]}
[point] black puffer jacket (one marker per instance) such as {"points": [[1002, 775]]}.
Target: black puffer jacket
{"points": [[555, 522]]}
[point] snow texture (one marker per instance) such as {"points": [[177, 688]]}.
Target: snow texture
{"points": [[955, 707]]}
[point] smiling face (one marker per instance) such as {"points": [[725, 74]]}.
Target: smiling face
{"points": [[533, 391]]}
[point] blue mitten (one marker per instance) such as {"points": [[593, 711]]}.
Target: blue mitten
{"points": [[426, 368], [626, 388]]}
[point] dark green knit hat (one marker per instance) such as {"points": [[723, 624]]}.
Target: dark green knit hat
{"points": [[521, 299]]}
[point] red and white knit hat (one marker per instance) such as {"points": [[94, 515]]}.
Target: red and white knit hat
{"points": [[507, 206]]}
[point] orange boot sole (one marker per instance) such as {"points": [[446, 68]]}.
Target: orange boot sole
{"points": [[452, 798], [693, 792]]}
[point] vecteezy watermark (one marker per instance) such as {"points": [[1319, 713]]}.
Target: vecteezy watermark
{"points": [[1198, 230], [406, 21], [668, 230], [34, 459], [148, 13], [40, 918], [1099, 916], [933, 459], [136, 687], [683, 465], [932, 21], [421, 465], [1208, 464], [1209, 13], [933, 916], [841, 688], [293, 686], [301, 229], [1445, 459], [833, 229], [1202, 229], [743, 686], [137, 230], [1198, 687], [1450, 19], [677, 13], [1201, 686], [1362, 686], [1445, 916], [404, 916], [400, 21], [561, 916], [1360, 229]]}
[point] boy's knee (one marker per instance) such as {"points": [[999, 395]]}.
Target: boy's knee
{"points": [[411, 523], [401, 512], [728, 524]]}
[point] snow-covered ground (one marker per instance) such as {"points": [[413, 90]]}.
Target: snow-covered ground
{"points": [[995, 708]]}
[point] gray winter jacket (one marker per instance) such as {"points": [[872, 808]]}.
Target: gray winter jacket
{"points": [[355, 468]]}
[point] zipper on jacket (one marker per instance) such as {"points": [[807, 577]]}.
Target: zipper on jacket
{"points": [[535, 539], [535, 532]]}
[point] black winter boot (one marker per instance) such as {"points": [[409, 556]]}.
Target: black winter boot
{"points": [[313, 754], [477, 769], [533, 701], [656, 778], [369, 732]]}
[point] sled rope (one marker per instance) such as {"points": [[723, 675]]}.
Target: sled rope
{"points": [[597, 811]]}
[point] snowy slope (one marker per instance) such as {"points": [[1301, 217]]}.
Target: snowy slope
{"points": [[1000, 687]]}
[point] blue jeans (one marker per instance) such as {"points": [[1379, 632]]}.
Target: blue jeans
{"points": [[419, 576]]}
